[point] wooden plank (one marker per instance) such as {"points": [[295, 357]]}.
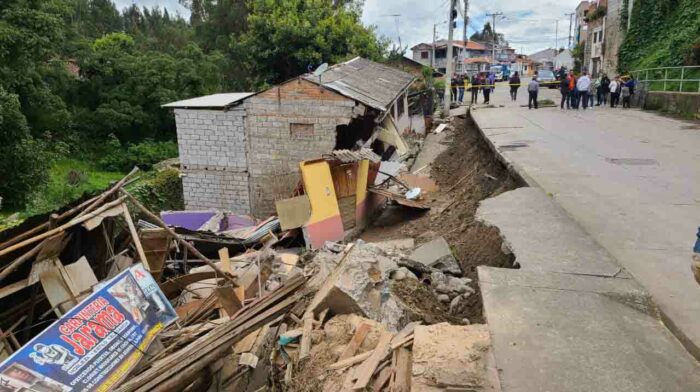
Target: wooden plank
{"points": [[13, 288], [366, 370], [350, 361], [137, 241], [228, 300], [382, 379], [306, 337], [293, 212], [96, 220], [225, 260], [60, 229], [171, 372], [247, 343], [402, 370], [85, 206], [57, 289], [81, 275], [356, 341], [179, 238]]}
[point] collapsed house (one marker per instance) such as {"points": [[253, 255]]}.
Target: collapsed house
{"points": [[241, 151]]}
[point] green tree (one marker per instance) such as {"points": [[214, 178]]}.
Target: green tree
{"points": [[285, 37], [22, 162]]}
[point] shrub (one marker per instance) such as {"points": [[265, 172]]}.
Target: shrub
{"points": [[161, 192], [144, 154]]}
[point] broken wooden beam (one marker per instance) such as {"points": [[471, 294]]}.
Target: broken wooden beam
{"points": [[84, 208], [63, 227], [360, 334], [179, 239]]}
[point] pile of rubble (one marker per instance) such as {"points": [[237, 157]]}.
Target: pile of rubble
{"points": [[98, 297]]}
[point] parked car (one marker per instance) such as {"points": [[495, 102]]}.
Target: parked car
{"points": [[546, 78]]}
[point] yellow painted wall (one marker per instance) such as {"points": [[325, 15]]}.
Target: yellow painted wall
{"points": [[362, 173], [318, 185]]}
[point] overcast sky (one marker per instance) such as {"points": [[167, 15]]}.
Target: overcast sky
{"points": [[529, 25]]}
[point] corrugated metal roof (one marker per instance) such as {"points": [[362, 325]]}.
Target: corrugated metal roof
{"points": [[347, 156], [375, 85], [210, 101]]}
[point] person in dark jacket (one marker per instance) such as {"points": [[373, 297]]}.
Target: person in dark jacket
{"points": [[486, 88], [564, 89], [476, 84], [604, 90], [514, 82], [453, 87]]}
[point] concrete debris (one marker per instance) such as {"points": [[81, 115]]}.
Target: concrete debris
{"points": [[452, 356], [437, 254], [362, 287], [403, 273], [401, 245]]}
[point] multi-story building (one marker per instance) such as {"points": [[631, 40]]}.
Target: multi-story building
{"points": [[603, 33], [461, 51], [580, 33]]}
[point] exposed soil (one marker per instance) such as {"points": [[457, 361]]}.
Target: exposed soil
{"points": [[467, 172], [421, 299]]}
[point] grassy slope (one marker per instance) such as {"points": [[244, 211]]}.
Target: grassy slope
{"points": [[58, 192]]}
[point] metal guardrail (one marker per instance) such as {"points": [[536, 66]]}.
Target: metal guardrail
{"points": [[673, 79]]}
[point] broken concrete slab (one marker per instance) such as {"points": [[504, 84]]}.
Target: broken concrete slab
{"points": [[452, 356], [566, 332], [437, 254], [530, 221], [400, 245], [362, 287]]}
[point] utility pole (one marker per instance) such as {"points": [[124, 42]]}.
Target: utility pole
{"points": [[448, 68], [493, 28], [432, 56], [556, 36], [466, 22], [571, 22]]}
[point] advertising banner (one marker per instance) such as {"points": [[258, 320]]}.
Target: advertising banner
{"points": [[95, 344]]}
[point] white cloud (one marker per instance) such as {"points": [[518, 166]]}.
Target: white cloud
{"points": [[528, 25]]}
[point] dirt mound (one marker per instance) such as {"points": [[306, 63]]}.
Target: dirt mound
{"points": [[467, 172]]}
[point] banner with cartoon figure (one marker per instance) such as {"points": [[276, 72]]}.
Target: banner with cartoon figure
{"points": [[95, 344]]}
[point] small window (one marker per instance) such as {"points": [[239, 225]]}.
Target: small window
{"points": [[424, 55], [301, 131]]}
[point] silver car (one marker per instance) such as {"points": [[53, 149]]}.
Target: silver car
{"points": [[547, 79]]}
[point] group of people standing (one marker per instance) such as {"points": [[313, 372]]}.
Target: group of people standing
{"points": [[482, 81], [584, 91]]}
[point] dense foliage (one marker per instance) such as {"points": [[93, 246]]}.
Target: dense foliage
{"points": [[662, 33], [82, 80]]}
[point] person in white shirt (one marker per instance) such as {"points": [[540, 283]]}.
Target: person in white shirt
{"points": [[582, 85], [614, 92], [532, 89]]}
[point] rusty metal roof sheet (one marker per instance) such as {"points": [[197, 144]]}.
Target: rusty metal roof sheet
{"points": [[375, 85]]}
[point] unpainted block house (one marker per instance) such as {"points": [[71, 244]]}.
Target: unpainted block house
{"points": [[241, 151]]}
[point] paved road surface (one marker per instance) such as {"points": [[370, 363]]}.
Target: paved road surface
{"points": [[630, 178]]}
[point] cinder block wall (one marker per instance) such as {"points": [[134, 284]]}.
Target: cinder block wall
{"points": [[212, 146], [275, 149]]}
